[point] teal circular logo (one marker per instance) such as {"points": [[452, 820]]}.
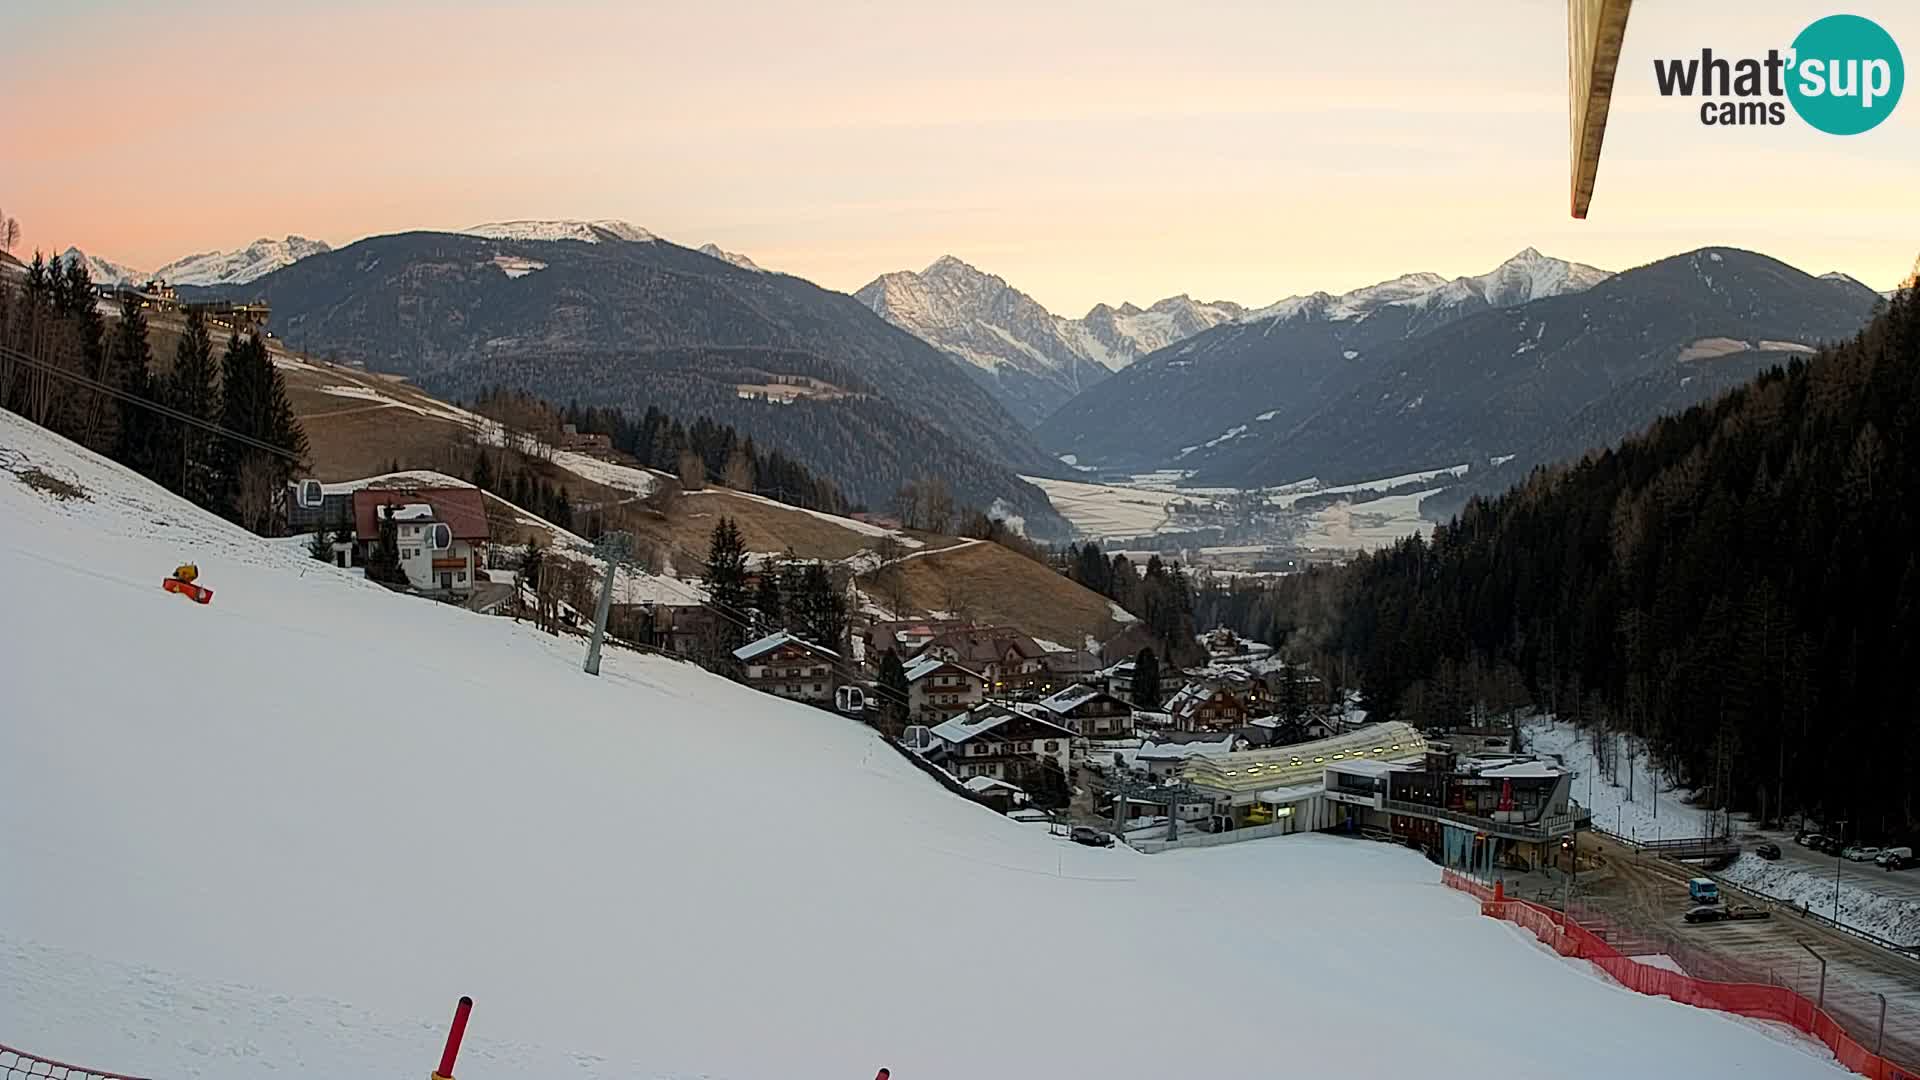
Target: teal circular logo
{"points": [[1847, 75]]}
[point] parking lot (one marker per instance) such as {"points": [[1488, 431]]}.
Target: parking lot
{"points": [[1643, 902], [1901, 883]]}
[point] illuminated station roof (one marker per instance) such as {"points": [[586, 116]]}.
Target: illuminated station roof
{"points": [[1305, 764]]}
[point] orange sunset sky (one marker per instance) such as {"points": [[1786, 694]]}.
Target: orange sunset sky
{"points": [[1085, 151]]}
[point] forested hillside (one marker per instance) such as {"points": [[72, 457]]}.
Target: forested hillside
{"points": [[1740, 585], [638, 324]]}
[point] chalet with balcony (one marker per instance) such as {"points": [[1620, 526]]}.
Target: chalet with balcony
{"points": [[787, 666], [1090, 712], [1003, 743], [938, 689], [441, 533]]}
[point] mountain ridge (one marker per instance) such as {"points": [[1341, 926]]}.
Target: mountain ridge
{"points": [[1503, 380], [630, 324], [1276, 363], [1033, 359]]}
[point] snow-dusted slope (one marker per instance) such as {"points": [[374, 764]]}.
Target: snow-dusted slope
{"points": [[102, 271], [258, 259], [1527, 276], [591, 232], [278, 835], [984, 320], [1037, 360], [726, 256], [1118, 336]]}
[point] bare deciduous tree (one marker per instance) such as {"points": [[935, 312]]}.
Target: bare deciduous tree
{"points": [[693, 471], [664, 497], [909, 503], [939, 505], [257, 493], [739, 471]]}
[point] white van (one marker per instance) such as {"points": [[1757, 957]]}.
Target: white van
{"points": [[1895, 858]]}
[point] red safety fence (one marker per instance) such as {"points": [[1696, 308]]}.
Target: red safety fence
{"points": [[1760, 1001], [18, 1064]]}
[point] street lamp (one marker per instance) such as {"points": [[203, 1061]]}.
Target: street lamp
{"points": [[1839, 845]]}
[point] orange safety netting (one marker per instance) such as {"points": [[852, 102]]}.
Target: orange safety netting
{"points": [[1760, 1001], [18, 1065]]}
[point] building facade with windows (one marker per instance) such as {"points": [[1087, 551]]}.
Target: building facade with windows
{"points": [[938, 689], [441, 533], [1002, 743], [790, 667]]}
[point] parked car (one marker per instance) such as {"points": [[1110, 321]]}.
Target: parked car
{"points": [[1768, 850], [1814, 840], [1092, 837], [1805, 837], [1731, 912], [1895, 858], [1858, 853]]}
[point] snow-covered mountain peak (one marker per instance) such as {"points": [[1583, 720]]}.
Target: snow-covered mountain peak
{"points": [[1528, 275], [588, 232], [258, 259], [741, 261], [101, 270]]}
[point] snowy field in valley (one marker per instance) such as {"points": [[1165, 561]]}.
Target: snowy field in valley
{"points": [[280, 834], [1103, 510], [1365, 525], [1114, 511]]}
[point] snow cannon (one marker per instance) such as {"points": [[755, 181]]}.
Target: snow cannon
{"points": [[183, 582]]}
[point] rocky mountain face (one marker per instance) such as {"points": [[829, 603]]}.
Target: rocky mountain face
{"points": [[1275, 365], [593, 317], [1032, 359]]}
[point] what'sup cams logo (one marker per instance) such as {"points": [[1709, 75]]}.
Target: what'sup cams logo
{"points": [[1843, 75]]}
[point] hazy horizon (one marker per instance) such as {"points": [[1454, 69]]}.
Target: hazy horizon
{"points": [[1087, 153]]}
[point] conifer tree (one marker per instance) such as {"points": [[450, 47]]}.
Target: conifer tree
{"points": [[893, 690], [1146, 680], [768, 604], [726, 580], [254, 403], [135, 440], [825, 608], [188, 465]]}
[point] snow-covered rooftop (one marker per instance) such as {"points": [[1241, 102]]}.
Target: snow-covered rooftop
{"points": [[1530, 770], [927, 665], [980, 784], [1072, 697], [773, 641]]}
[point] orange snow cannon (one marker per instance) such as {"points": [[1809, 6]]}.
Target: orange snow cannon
{"points": [[182, 582]]}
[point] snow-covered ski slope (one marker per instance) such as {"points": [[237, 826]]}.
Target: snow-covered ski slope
{"points": [[279, 835]]}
